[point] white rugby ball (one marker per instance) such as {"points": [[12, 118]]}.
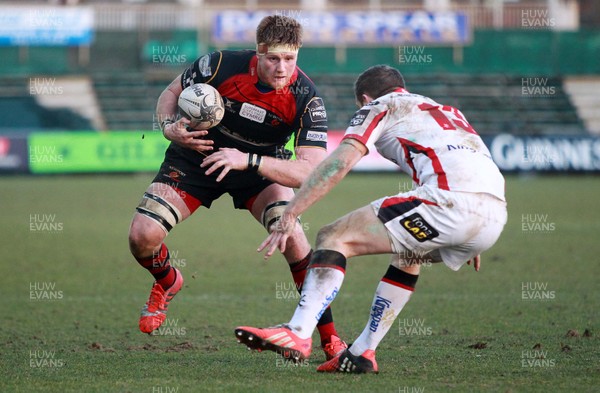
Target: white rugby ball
{"points": [[202, 105]]}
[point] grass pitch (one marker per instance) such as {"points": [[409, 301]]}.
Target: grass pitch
{"points": [[528, 322]]}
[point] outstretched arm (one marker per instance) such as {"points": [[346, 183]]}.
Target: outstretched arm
{"points": [[329, 173]]}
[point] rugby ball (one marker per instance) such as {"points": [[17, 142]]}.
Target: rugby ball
{"points": [[202, 105]]}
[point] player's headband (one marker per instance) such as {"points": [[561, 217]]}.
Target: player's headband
{"points": [[263, 49]]}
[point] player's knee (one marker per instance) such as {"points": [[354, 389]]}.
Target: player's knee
{"points": [[144, 237], [411, 266], [326, 236]]}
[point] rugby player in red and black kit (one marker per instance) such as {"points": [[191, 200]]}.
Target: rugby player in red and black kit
{"points": [[268, 99]]}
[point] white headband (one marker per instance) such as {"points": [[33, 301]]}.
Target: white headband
{"points": [[263, 49]]}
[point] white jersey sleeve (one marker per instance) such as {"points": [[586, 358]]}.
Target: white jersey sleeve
{"points": [[368, 123], [433, 143]]}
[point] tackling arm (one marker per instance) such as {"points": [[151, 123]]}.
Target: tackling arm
{"points": [[329, 173]]}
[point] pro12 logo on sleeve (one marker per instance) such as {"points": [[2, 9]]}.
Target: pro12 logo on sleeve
{"points": [[316, 110], [420, 229]]}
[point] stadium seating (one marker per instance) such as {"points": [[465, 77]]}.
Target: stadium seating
{"points": [[128, 99], [22, 112], [583, 91], [491, 103]]}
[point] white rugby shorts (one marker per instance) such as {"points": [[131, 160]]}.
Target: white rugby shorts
{"points": [[455, 226]]}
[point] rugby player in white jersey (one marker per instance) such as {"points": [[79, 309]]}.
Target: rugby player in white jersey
{"points": [[456, 211]]}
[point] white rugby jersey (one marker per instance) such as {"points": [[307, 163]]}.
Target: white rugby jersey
{"points": [[431, 142]]}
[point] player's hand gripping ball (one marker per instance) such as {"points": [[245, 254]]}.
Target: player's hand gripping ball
{"points": [[202, 105]]}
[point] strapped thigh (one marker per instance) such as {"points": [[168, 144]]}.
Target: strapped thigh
{"points": [[159, 210], [272, 213]]}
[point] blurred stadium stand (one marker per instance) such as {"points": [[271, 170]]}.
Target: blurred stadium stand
{"points": [[492, 103], [128, 99], [127, 83], [584, 93], [22, 112]]}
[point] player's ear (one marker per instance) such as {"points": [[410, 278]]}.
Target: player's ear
{"points": [[365, 99]]}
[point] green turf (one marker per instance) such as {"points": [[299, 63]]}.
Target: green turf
{"points": [[86, 339]]}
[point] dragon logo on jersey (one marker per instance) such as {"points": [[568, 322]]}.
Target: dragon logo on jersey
{"points": [[420, 229], [204, 66], [359, 117]]}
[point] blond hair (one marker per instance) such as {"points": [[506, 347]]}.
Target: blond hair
{"points": [[279, 30]]}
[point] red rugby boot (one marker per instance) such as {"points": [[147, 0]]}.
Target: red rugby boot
{"points": [[278, 339], [154, 312]]}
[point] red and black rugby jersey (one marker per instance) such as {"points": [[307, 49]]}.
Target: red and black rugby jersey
{"points": [[259, 120]]}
